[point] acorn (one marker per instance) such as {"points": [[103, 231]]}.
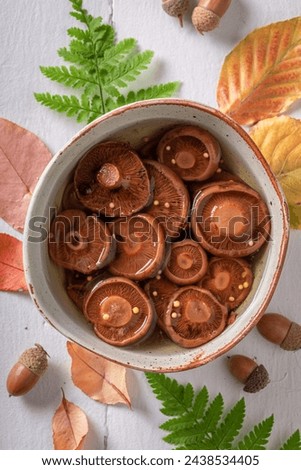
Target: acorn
{"points": [[176, 8], [246, 370], [280, 330], [26, 372], [206, 16]]}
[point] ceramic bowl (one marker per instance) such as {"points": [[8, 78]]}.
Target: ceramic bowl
{"points": [[133, 123]]}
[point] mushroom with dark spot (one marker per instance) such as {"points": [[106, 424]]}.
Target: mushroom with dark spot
{"points": [[193, 153], [111, 179], [120, 311]]}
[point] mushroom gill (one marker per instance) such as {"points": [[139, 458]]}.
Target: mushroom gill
{"points": [[120, 311], [194, 317], [190, 151], [187, 263], [79, 242], [230, 219], [111, 179], [229, 279], [170, 204]]}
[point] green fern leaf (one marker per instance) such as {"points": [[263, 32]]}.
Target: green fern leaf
{"points": [[228, 429], [293, 442], [200, 403], [170, 392], [176, 424], [100, 68], [258, 437], [128, 71], [73, 76]]}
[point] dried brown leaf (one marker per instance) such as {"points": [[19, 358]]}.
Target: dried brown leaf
{"points": [[69, 427], [23, 157], [99, 378], [11, 264], [261, 77]]}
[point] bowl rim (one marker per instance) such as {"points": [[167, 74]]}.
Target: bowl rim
{"points": [[198, 360]]}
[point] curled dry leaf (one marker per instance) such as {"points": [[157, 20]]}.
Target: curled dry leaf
{"points": [[279, 140], [99, 378], [69, 426], [11, 264], [261, 77], [23, 157]]}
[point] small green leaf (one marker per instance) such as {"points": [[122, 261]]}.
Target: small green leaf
{"points": [[293, 442], [200, 403], [127, 71], [258, 437]]}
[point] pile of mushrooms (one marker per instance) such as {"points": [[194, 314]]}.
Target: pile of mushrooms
{"points": [[163, 237]]}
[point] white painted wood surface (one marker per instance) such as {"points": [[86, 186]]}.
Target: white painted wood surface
{"points": [[30, 33]]}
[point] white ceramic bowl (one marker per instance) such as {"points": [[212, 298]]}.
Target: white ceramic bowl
{"points": [[132, 123]]}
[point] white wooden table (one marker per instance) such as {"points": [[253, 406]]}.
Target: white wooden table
{"points": [[30, 33]]}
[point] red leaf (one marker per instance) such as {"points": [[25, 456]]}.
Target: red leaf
{"points": [[23, 157], [11, 265]]}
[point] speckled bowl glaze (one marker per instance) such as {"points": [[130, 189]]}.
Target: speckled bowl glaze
{"points": [[132, 123]]}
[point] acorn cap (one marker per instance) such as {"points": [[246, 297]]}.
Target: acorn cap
{"points": [[160, 292], [170, 204], [229, 279], [79, 242], [111, 179], [204, 20], [292, 341], [191, 152], [258, 379], [194, 317], [120, 311], [230, 219], [35, 359], [140, 247], [175, 8], [187, 263]]}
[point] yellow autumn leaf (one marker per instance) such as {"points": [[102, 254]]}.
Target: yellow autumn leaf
{"points": [[279, 140], [261, 77]]}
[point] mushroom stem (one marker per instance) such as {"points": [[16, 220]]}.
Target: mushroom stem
{"points": [[109, 176]]}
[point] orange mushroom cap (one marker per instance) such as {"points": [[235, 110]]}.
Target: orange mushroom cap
{"points": [[230, 219], [140, 247], [194, 317], [191, 152], [120, 311], [187, 263], [111, 179], [79, 242], [229, 279], [170, 204]]}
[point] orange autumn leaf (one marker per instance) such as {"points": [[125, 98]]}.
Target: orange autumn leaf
{"points": [[11, 264], [23, 157], [69, 426], [261, 77], [99, 378]]}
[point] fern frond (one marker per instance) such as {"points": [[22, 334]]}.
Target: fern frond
{"points": [[100, 67], [200, 403], [128, 71], [293, 442], [170, 392], [73, 76], [229, 428], [113, 55], [258, 437]]}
